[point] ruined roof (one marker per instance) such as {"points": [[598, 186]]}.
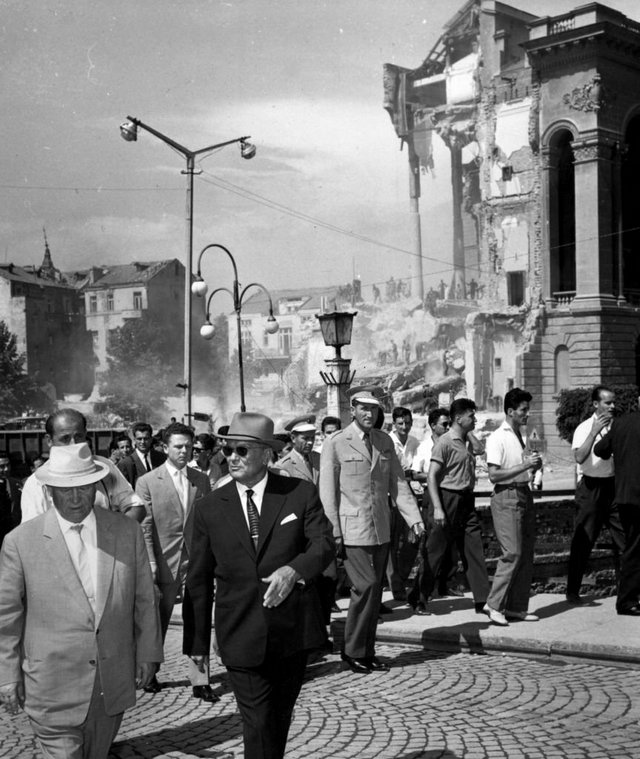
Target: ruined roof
{"points": [[135, 273], [15, 273], [311, 298]]}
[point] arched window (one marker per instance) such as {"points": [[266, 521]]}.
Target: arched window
{"points": [[562, 367], [562, 213], [630, 195]]}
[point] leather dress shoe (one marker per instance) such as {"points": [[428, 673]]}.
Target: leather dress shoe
{"points": [[574, 599], [355, 665], [205, 693], [453, 592], [421, 610], [375, 665], [630, 611], [153, 687], [384, 609]]}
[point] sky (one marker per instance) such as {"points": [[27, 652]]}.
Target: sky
{"points": [[302, 77]]}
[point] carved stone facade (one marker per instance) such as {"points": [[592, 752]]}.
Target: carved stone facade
{"points": [[551, 108]]}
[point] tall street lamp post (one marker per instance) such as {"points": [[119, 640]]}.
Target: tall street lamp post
{"points": [[199, 288], [129, 132]]}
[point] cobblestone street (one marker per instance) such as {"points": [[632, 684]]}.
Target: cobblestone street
{"points": [[430, 706]]}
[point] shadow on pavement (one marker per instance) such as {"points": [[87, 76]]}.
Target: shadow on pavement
{"points": [[436, 753], [544, 612], [197, 735]]}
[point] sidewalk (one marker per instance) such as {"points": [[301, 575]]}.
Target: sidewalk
{"points": [[591, 632]]}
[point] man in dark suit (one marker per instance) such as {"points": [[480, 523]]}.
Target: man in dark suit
{"points": [[263, 538], [144, 457], [10, 494], [169, 493], [622, 442]]}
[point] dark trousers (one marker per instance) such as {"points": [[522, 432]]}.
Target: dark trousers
{"points": [[595, 510], [266, 696], [365, 569], [629, 585], [461, 529], [402, 554], [514, 521]]}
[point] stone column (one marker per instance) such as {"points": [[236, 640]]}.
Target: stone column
{"points": [[338, 379], [594, 221]]}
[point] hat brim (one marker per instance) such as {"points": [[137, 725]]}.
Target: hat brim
{"points": [[277, 445], [53, 479], [367, 400], [303, 428]]}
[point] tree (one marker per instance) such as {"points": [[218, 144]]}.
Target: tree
{"points": [[144, 363], [18, 390]]}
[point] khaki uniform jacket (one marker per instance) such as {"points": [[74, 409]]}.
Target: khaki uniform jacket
{"points": [[355, 487], [294, 464]]}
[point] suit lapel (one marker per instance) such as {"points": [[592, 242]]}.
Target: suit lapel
{"points": [[60, 561], [106, 541], [234, 513], [272, 504], [356, 442]]}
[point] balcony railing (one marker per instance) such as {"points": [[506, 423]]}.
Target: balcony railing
{"points": [[560, 25], [564, 297]]}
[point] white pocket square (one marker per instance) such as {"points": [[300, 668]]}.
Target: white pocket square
{"points": [[290, 518]]}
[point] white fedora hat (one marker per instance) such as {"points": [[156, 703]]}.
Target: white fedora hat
{"points": [[71, 466]]}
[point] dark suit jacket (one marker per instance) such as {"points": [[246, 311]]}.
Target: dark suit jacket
{"points": [[10, 512], [132, 467], [623, 442], [293, 531]]}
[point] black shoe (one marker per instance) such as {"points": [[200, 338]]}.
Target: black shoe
{"points": [[479, 607], [384, 609], [335, 609], [205, 693], [375, 665], [630, 611], [355, 665], [421, 610], [574, 598], [153, 687], [400, 595], [452, 592]]}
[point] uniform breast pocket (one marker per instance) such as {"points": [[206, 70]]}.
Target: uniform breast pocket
{"points": [[355, 465]]}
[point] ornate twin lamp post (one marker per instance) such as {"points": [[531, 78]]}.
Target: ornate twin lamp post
{"points": [[336, 331], [199, 288], [129, 132]]}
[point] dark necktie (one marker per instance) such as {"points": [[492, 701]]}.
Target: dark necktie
{"points": [[254, 519], [146, 462], [307, 461], [367, 442], [520, 440]]}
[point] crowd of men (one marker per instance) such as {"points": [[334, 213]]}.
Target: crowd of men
{"points": [[261, 530]]}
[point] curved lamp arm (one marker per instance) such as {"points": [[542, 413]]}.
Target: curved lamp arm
{"points": [[216, 245], [217, 290]]}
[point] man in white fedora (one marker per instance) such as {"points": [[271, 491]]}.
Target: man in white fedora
{"points": [[264, 539], [79, 626]]}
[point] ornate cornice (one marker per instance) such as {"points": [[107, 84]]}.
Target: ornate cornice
{"points": [[593, 150]]}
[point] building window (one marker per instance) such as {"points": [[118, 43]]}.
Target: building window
{"points": [[245, 333], [562, 213], [110, 306], [265, 340], [137, 301], [497, 364], [93, 303], [562, 368], [285, 340], [515, 288]]}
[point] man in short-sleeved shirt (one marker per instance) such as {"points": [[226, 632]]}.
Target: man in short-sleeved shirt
{"points": [[451, 480], [595, 492], [512, 509]]}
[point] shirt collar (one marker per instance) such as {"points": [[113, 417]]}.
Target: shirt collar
{"points": [[89, 522], [258, 488], [173, 471]]}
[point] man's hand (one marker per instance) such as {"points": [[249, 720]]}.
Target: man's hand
{"points": [[201, 661], [12, 696], [340, 552], [438, 516], [417, 530], [600, 423], [533, 461], [145, 672], [281, 583]]}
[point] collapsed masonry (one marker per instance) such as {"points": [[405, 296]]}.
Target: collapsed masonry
{"points": [[541, 117]]}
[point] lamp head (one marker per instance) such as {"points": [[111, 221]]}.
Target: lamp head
{"points": [[247, 149], [129, 131], [207, 331], [272, 325], [199, 287]]}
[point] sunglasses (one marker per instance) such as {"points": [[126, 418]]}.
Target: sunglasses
{"points": [[241, 450], [198, 450], [446, 425]]}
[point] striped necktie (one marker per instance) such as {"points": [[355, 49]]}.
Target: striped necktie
{"points": [[254, 519]]}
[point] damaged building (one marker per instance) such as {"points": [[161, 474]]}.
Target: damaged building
{"points": [[541, 118]]}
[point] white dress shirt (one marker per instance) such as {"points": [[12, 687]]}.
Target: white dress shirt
{"points": [[89, 537], [258, 495], [181, 482]]}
